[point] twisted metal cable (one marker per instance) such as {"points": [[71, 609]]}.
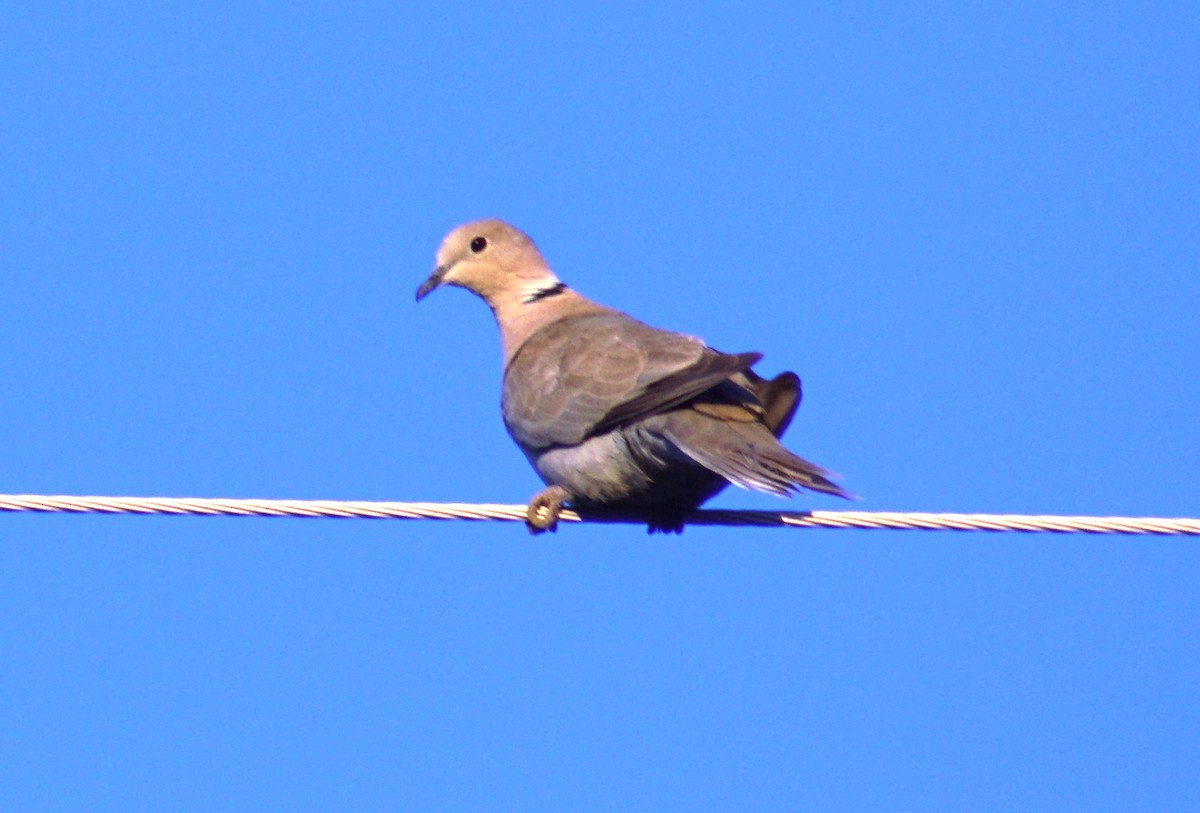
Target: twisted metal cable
{"points": [[516, 513]]}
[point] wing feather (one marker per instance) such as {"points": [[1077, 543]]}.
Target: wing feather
{"points": [[586, 374]]}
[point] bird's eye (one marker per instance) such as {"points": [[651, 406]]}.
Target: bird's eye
{"points": [[478, 244]]}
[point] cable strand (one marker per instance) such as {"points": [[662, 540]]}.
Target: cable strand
{"points": [[477, 512]]}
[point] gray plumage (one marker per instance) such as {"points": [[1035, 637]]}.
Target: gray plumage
{"points": [[614, 413]]}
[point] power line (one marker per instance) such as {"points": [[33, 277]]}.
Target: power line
{"points": [[516, 513]]}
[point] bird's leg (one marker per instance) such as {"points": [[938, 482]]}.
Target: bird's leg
{"points": [[544, 508]]}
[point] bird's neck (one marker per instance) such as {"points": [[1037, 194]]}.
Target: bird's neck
{"points": [[521, 318]]}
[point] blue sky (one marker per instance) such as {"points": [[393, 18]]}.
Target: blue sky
{"points": [[972, 230]]}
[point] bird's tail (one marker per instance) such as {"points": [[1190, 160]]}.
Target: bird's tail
{"points": [[749, 456], [780, 397]]}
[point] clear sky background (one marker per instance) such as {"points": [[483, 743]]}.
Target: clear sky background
{"points": [[973, 231]]}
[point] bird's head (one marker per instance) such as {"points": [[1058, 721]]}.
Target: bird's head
{"points": [[494, 260]]}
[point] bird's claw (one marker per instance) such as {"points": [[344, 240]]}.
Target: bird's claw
{"points": [[544, 510], [665, 524]]}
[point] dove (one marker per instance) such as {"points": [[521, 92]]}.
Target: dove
{"points": [[612, 413]]}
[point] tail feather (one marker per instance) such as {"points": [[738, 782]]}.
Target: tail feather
{"points": [[741, 470], [780, 397], [800, 472], [749, 456]]}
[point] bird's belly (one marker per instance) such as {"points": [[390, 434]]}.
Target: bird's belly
{"points": [[630, 466], [602, 469]]}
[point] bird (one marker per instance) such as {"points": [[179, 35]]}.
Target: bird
{"points": [[613, 414]]}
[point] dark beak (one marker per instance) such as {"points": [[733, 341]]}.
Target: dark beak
{"points": [[435, 279]]}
